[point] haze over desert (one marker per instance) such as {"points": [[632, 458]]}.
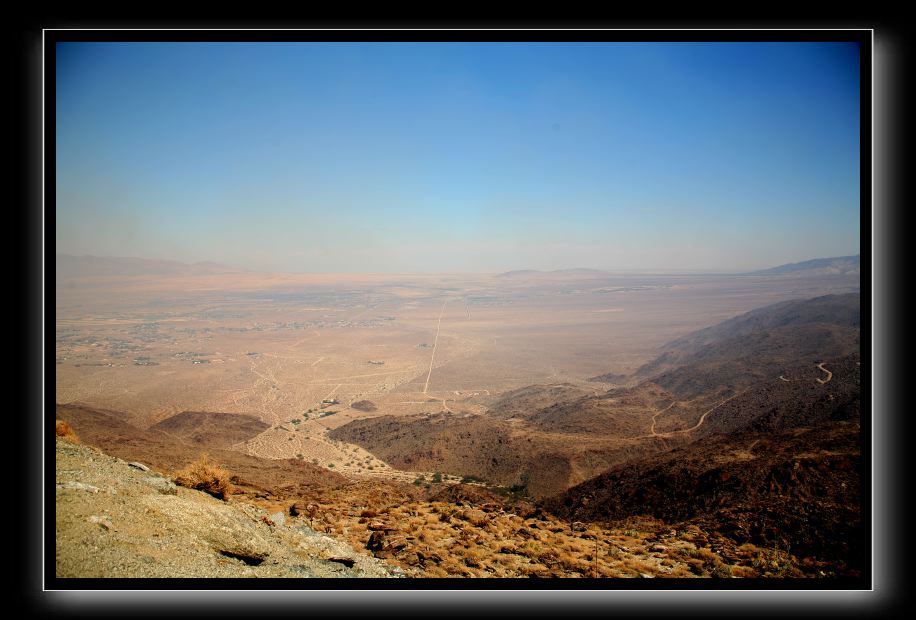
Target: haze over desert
{"points": [[427, 310]]}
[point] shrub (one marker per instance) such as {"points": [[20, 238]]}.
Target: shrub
{"points": [[205, 476], [64, 431], [437, 477]]}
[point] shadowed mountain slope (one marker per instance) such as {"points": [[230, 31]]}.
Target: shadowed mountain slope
{"points": [[756, 345], [794, 489]]}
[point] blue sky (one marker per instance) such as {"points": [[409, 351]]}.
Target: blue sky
{"points": [[459, 157]]}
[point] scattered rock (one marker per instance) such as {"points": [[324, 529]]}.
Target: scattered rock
{"points": [[348, 562], [185, 534], [378, 526], [78, 486], [247, 558], [395, 543], [104, 521], [166, 487], [412, 559], [302, 508], [376, 540]]}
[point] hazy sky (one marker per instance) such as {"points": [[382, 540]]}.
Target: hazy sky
{"points": [[459, 157]]}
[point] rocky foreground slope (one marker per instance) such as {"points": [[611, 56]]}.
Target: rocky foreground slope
{"points": [[117, 520]]}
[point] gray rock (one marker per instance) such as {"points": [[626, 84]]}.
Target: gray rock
{"points": [[139, 466], [278, 518], [104, 521], [78, 486], [166, 487]]}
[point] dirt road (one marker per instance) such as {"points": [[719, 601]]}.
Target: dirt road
{"points": [[435, 344]]}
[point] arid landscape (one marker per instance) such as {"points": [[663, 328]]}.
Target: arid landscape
{"points": [[572, 423], [427, 310]]}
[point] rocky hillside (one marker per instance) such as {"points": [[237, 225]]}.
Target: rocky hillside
{"points": [[796, 490], [540, 462], [118, 519], [737, 352], [115, 519], [180, 440]]}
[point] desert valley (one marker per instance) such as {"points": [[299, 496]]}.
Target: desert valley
{"points": [[572, 423]]}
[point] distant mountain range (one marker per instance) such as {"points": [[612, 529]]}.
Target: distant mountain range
{"points": [[838, 265], [67, 267], [534, 273], [818, 266]]}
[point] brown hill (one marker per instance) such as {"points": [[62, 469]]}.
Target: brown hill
{"points": [[175, 442], [364, 405], [738, 352], [209, 429], [796, 489], [497, 451], [522, 402]]}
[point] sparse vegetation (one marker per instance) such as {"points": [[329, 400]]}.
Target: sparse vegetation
{"points": [[503, 526], [64, 431], [205, 476]]}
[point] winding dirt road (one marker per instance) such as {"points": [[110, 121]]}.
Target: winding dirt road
{"points": [[658, 413], [699, 423]]}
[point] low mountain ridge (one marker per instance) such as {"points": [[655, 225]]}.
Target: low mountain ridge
{"points": [[196, 433], [846, 265], [753, 345], [795, 489]]}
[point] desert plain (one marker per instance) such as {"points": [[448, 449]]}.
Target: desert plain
{"points": [[308, 353]]}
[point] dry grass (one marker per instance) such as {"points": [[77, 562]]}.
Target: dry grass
{"points": [[205, 476], [64, 431], [444, 539]]}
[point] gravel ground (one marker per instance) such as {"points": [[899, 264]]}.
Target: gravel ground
{"points": [[115, 520]]}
